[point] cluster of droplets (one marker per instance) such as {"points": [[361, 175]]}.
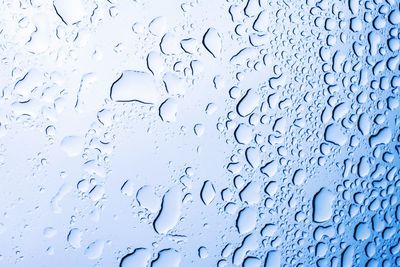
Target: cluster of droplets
{"points": [[292, 152], [323, 132]]}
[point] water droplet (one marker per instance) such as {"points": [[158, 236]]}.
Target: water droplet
{"points": [[135, 86]]}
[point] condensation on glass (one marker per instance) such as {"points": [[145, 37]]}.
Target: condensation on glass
{"points": [[254, 133]]}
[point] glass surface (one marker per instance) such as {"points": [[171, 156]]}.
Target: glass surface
{"points": [[166, 133]]}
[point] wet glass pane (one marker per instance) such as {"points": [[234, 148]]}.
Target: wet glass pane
{"points": [[166, 133]]}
